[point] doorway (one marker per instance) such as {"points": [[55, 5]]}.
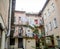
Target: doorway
{"points": [[20, 42], [59, 44]]}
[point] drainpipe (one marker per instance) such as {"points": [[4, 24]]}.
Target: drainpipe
{"points": [[9, 19], [9, 23]]}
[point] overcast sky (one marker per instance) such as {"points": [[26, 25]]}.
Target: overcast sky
{"points": [[30, 6]]}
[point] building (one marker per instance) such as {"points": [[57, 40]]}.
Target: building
{"points": [[51, 17], [5, 22], [4, 7], [21, 36]]}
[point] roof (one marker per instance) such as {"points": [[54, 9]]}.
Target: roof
{"points": [[20, 11], [44, 7], [30, 14]]}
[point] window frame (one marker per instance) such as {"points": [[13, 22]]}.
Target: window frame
{"points": [[55, 23], [50, 26]]}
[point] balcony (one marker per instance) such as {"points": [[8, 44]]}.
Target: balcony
{"points": [[18, 35], [31, 35], [16, 23], [15, 34], [20, 23]]}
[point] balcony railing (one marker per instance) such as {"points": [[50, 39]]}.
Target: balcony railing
{"points": [[19, 35], [29, 35], [20, 23]]}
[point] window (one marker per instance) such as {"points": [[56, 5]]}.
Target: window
{"points": [[50, 26], [41, 22], [19, 18], [36, 21], [55, 23], [12, 33], [46, 28], [15, 20], [52, 7], [31, 22], [29, 32], [45, 16], [15, 29], [12, 41], [20, 43], [20, 31], [48, 12]]}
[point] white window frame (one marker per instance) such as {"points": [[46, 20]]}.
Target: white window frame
{"points": [[52, 7], [50, 26], [45, 16], [48, 12], [46, 28], [55, 23]]}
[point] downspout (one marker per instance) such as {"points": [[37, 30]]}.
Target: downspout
{"points": [[9, 24], [9, 19]]}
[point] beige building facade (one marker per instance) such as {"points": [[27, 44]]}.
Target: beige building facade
{"points": [[4, 7], [5, 14], [51, 16], [23, 36]]}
